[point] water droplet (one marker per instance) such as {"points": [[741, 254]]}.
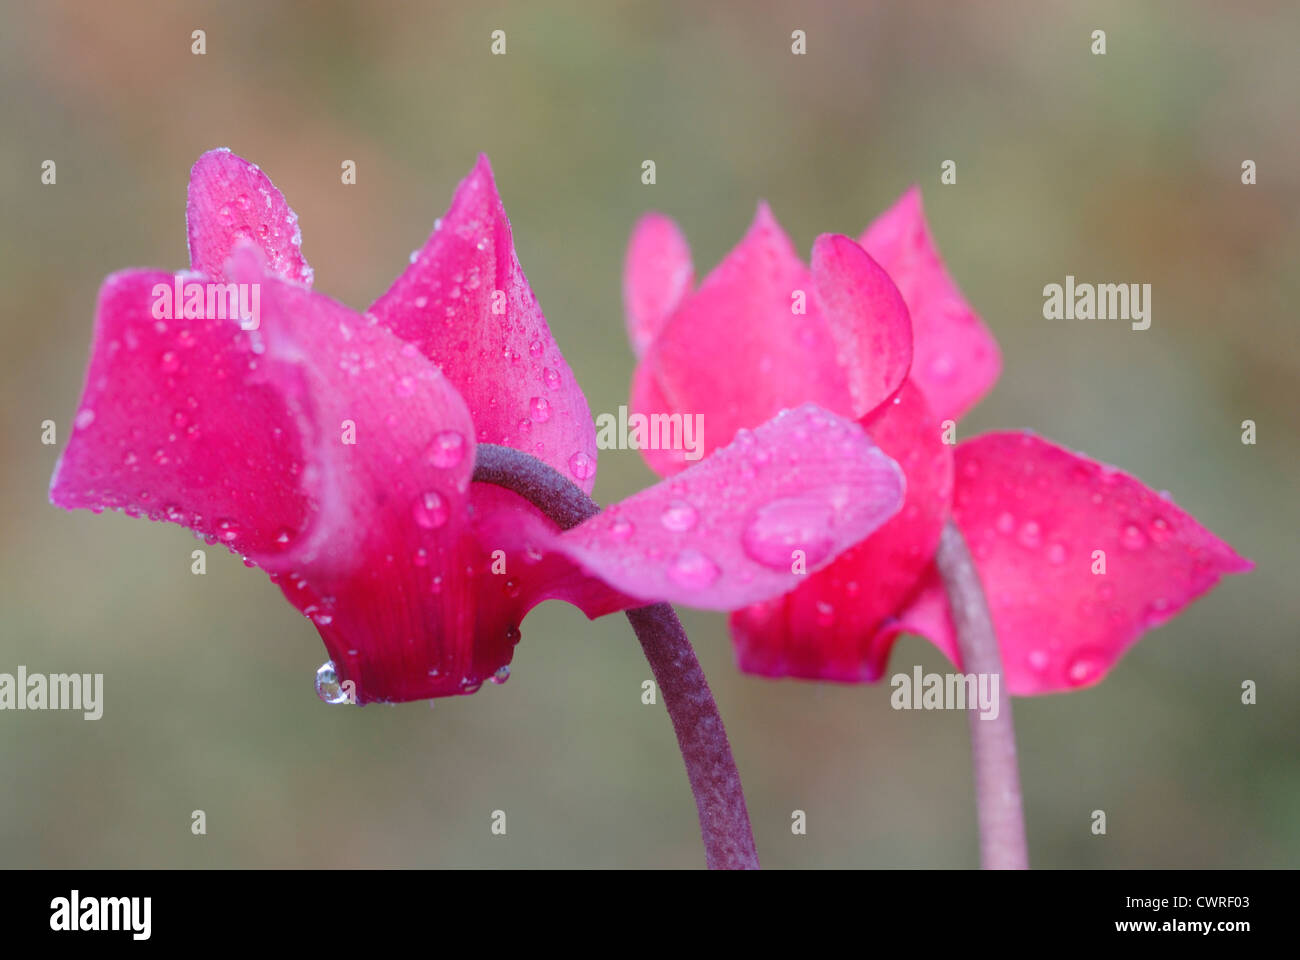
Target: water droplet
{"points": [[169, 361], [621, 529], [512, 634], [1056, 553], [679, 516], [1006, 523], [1083, 669], [1030, 535], [421, 557], [539, 410], [283, 536], [430, 510], [470, 686], [582, 466], [328, 687], [693, 569], [784, 526], [535, 349], [550, 378], [84, 418], [1132, 537], [1159, 530], [1038, 660], [227, 530], [511, 587], [501, 676], [447, 449]]}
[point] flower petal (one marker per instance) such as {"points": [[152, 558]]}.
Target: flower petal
{"points": [[176, 424], [465, 303], [1038, 519], [746, 522], [828, 627], [738, 351], [231, 200], [867, 319], [656, 276], [956, 360]]}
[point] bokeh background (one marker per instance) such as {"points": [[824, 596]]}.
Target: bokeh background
{"points": [[1123, 167]]}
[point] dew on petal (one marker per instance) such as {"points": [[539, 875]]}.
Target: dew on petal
{"points": [[679, 516], [693, 569], [539, 409], [501, 676], [447, 449], [430, 510], [1132, 537], [582, 466], [783, 526]]}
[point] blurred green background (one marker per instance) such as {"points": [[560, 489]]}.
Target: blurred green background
{"points": [[1123, 167]]}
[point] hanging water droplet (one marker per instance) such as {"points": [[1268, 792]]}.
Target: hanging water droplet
{"points": [[328, 687], [679, 516], [501, 676], [447, 449]]}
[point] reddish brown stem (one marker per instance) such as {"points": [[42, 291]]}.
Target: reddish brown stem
{"points": [[724, 819]]}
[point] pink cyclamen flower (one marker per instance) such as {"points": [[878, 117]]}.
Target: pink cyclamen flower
{"points": [[1077, 558], [336, 450]]}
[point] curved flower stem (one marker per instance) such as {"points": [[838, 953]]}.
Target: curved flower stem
{"points": [[993, 737], [724, 819]]}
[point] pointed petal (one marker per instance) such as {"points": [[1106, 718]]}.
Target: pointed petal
{"points": [[733, 529], [867, 319], [656, 276], [1035, 516], [956, 360], [737, 351], [827, 628], [231, 200], [465, 303]]}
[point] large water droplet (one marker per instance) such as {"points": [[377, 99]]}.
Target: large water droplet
{"points": [[784, 526], [693, 569], [328, 687], [447, 449], [430, 510], [679, 516], [539, 409]]}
